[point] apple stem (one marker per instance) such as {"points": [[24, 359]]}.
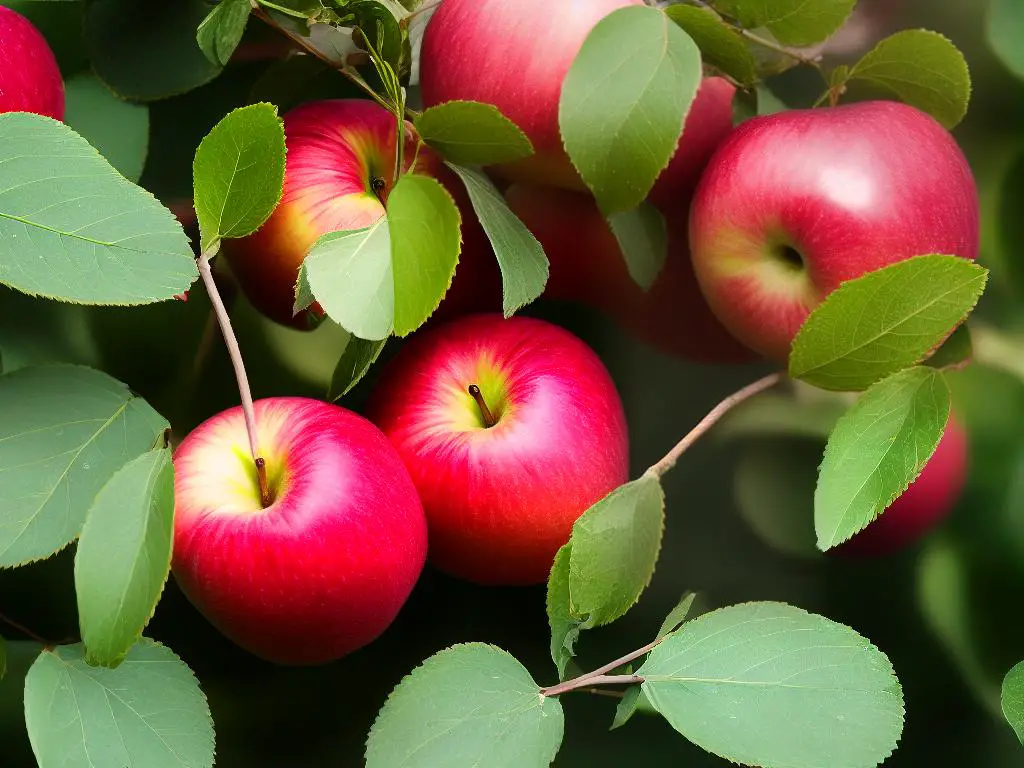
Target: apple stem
{"points": [[231, 342], [709, 421], [485, 412]]}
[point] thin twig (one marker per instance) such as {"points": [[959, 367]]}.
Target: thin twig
{"points": [[811, 61], [24, 630], [601, 673]]}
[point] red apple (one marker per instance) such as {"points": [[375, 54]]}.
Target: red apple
{"points": [[515, 54], [587, 267], [925, 504], [29, 78], [502, 478], [324, 569], [793, 204]]}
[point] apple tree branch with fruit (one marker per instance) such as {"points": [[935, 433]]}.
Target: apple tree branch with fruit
{"points": [[418, 176]]}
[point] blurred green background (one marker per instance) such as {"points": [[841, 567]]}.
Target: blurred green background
{"points": [[945, 611]]}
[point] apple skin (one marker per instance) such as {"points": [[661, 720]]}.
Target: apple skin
{"points": [[587, 267], [793, 204], [515, 54], [326, 567], [926, 503], [500, 501], [30, 80]]}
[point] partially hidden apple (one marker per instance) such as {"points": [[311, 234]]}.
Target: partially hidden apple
{"points": [[510, 429], [29, 78], [925, 504], [325, 566], [515, 54], [587, 267], [793, 204]]}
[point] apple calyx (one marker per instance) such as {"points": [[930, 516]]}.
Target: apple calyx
{"points": [[379, 187], [485, 412]]}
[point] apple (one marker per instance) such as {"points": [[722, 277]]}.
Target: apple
{"points": [[587, 267], [515, 54], [510, 430], [795, 203], [321, 570], [926, 503], [29, 78]]}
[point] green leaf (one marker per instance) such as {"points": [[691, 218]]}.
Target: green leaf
{"points": [[624, 102], [677, 615], [73, 228], [643, 240], [1004, 28], [222, 29], [472, 133], [565, 628], [771, 685], [626, 707], [64, 432], [921, 68], [523, 263], [124, 556], [792, 22], [615, 546], [148, 712], [470, 705], [773, 414], [885, 321], [349, 274], [721, 44], [955, 352], [118, 129], [356, 359], [3, 658], [876, 450], [238, 173], [147, 51], [380, 27], [1013, 700], [424, 225]]}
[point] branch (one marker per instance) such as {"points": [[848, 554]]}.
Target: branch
{"points": [[25, 631], [600, 675]]}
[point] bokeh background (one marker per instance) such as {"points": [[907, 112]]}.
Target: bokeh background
{"points": [[947, 612]]}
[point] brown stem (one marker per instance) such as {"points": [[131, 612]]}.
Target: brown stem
{"points": [[24, 630], [485, 412], [708, 421], [600, 675]]}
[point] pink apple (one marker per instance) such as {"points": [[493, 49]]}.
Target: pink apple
{"points": [[324, 569], [29, 78], [510, 429], [926, 503], [793, 204], [515, 54], [587, 267]]}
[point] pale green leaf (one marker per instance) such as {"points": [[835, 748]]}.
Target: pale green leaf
{"points": [[73, 228], [117, 128], [677, 615], [64, 432], [148, 712], [876, 450], [1005, 29], [643, 240], [624, 102], [124, 556], [565, 628], [523, 263], [1013, 699], [222, 29], [721, 44], [885, 321], [472, 133], [356, 359], [468, 706], [768, 684], [792, 22], [626, 707]]}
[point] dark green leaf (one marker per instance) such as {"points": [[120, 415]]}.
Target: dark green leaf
{"points": [[298, 79], [955, 352], [424, 225], [643, 240], [626, 707], [221, 31], [876, 450], [124, 556], [239, 173], [356, 359], [615, 546], [148, 712], [677, 615], [379, 26], [792, 22], [565, 628], [524, 265], [472, 133], [118, 129], [468, 706], [73, 228], [885, 321], [3, 658], [624, 102], [1005, 29], [64, 432], [771, 685], [1013, 699], [921, 68], [1009, 223], [720, 43]]}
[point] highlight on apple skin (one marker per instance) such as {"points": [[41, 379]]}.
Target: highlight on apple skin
{"points": [[325, 568], [793, 204], [30, 80], [503, 470]]}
